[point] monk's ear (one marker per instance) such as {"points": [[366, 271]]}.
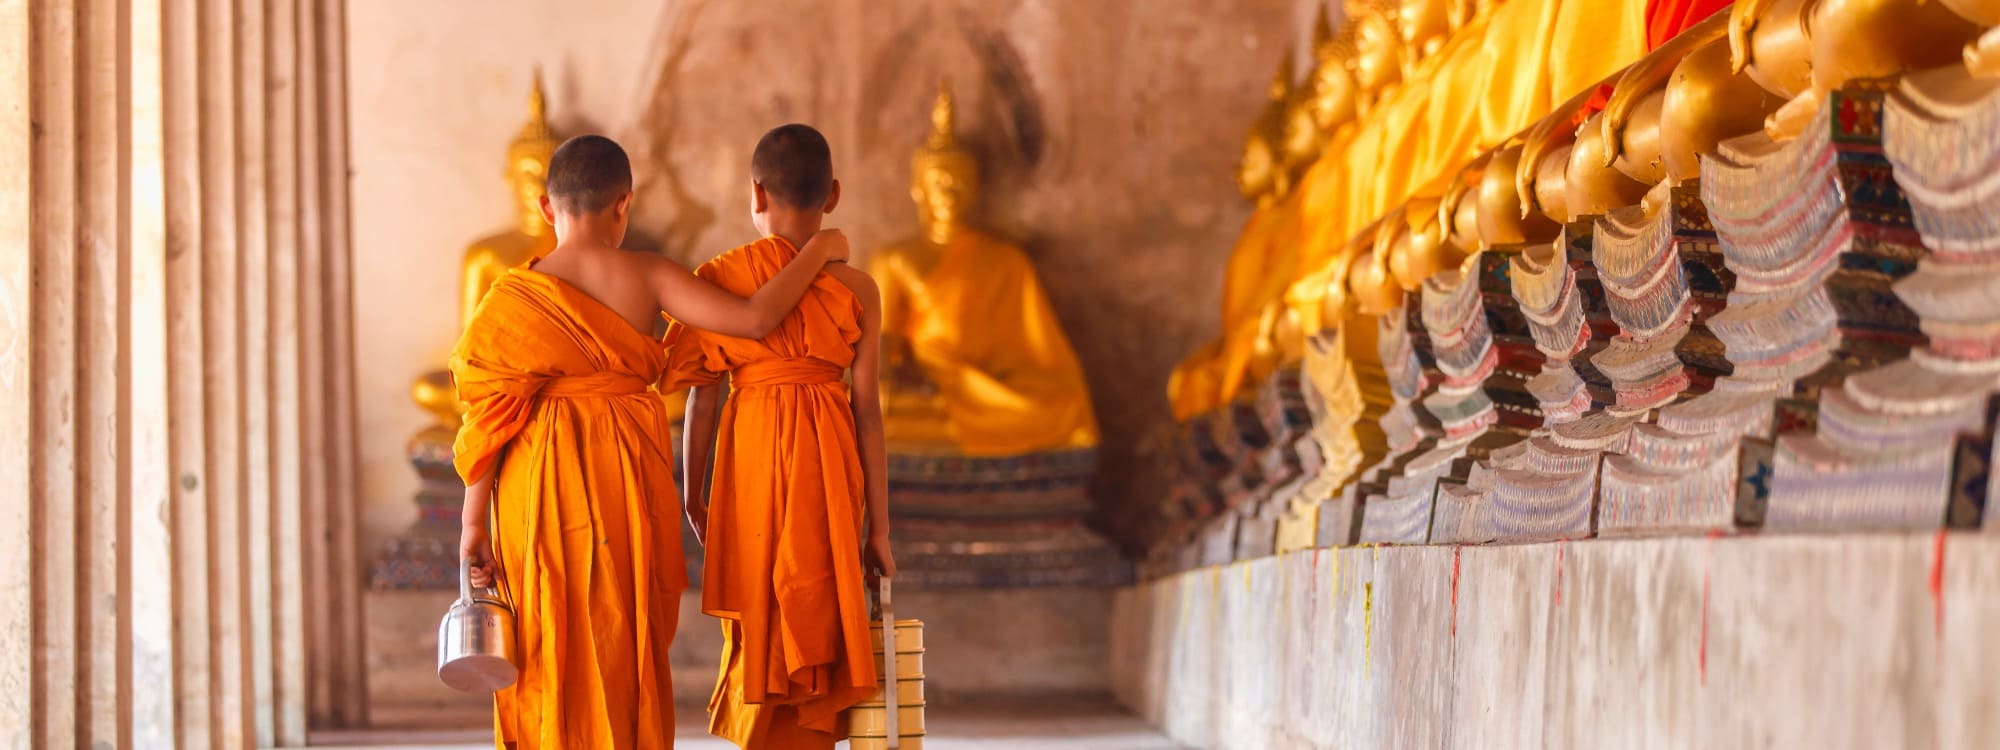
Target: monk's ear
{"points": [[623, 207], [760, 200], [832, 198], [548, 210]]}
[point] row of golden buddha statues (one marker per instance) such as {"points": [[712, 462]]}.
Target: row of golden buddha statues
{"points": [[991, 433], [1528, 270]]}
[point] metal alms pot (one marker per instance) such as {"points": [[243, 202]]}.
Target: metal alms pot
{"points": [[476, 638]]}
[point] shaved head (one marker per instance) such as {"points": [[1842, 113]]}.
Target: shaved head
{"points": [[794, 165], [587, 174]]}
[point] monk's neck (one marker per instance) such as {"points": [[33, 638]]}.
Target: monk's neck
{"points": [[797, 229]]}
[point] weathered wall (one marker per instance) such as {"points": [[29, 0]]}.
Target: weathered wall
{"points": [[1110, 131], [1808, 641]]}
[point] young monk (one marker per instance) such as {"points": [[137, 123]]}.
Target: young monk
{"points": [[798, 467], [565, 436]]}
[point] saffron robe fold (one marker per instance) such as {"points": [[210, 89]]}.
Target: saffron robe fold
{"points": [[585, 523], [785, 512]]}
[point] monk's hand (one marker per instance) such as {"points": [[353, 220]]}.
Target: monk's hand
{"points": [[697, 513], [879, 557], [831, 244], [474, 545]]}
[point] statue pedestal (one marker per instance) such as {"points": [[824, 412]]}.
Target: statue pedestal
{"points": [[1547, 489], [1908, 445], [1814, 230], [1006, 522], [1381, 518], [426, 556], [1281, 464]]}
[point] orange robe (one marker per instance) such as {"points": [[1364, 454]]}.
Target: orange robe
{"points": [[785, 512], [585, 524]]}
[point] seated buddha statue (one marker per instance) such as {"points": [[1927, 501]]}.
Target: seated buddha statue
{"points": [[975, 361], [1209, 376], [1802, 49], [1378, 51], [487, 258]]}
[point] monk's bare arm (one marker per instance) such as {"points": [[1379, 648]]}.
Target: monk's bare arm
{"points": [[704, 411], [866, 400], [701, 304], [474, 541]]}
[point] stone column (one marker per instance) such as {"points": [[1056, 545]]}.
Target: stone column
{"points": [[176, 408]]}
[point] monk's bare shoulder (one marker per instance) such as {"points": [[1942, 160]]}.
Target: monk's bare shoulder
{"points": [[857, 281]]}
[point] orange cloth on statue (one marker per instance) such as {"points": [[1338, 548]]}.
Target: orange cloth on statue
{"points": [[1666, 19], [1260, 268], [1492, 80], [557, 389], [785, 512]]}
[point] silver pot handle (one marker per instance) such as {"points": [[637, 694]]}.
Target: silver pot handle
{"points": [[465, 580]]}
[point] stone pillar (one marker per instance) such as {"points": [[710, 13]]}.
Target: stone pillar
{"points": [[176, 409]]}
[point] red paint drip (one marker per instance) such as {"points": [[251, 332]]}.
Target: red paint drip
{"points": [[1454, 590], [1937, 588], [1561, 545], [1702, 655]]}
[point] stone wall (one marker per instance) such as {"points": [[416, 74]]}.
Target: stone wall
{"points": [[1806, 641], [1110, 132]]}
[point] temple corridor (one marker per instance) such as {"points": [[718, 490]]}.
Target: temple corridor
{"points": [[1489, 374]]}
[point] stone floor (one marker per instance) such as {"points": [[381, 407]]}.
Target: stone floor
{"points": [[1089, 725]]}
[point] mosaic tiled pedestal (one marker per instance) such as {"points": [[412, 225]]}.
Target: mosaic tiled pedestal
{"points": [[1814, 231]]}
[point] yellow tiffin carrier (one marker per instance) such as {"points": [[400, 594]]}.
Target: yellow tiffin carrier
{"points": [[869, 723]]}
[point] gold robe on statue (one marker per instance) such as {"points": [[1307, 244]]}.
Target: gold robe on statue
{"points": [[786, 507], [1261, 266], [585, 523], [979, 324]]}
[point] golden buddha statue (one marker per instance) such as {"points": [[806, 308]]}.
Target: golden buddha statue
{"points": [[1265, 174], [1505, 217], [1369, 284], [1333, 88], [490, 257], [1802, 49], [1564, 171], [1311, 108], [1678, 103], [1263, 259], [1982, 57], [976, 362], [1378, 55], [1423, 26], [1421, 244]]}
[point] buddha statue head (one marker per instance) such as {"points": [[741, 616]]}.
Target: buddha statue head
{"points": [[1333, 87], [1422, 25], [1313, 108], [1378, 63], [528, 162], [944, 176], [1261, 172]]}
